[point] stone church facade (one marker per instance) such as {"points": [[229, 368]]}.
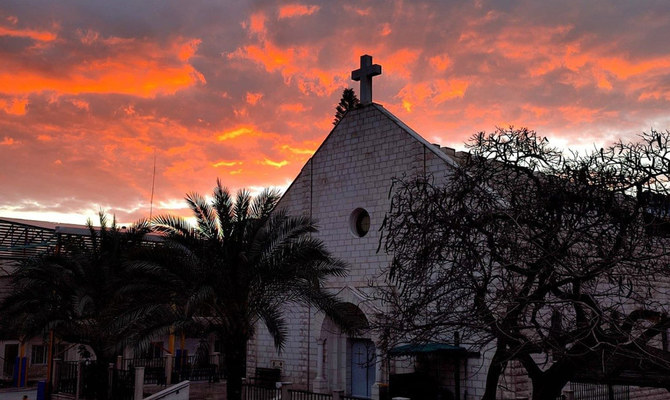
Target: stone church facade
{"points": [[345, 187]]}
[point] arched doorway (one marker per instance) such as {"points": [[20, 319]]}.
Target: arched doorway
{"points": [[346, 362]]}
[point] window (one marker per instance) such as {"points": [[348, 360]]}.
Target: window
{"points": [[359, 222], [38, 354]]}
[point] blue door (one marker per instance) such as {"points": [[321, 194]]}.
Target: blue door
{"points": [[362, 367]]}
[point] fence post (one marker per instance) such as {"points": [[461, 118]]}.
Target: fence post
{"points": [[337, 394], [569, 394], [168, 368], [139, 383], [110, 380], [78, 388], [244, 388], [119, 362], [285, 386]]}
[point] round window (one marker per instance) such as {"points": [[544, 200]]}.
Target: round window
{"points": [[359, 222]]}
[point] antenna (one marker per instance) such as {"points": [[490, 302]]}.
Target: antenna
{"points": [[153, 182]]}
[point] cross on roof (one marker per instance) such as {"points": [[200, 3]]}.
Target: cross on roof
{"points": [[365, 74]]}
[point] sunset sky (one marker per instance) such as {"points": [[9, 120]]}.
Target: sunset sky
{"points": [[245, 91]]}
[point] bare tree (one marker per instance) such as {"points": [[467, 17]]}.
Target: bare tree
{"points": [[557, 260]]}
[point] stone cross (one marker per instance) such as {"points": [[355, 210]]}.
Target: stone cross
{"points": [[365, 74]]}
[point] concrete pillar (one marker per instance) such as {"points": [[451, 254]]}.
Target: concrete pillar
{"points": [[379, 379], [139, 383], [569, 394], [320, 383], [119, 362], [285, 386], [110, 380], [337, 394]]}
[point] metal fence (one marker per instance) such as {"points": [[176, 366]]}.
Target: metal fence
{"points": [[590, 391], [263, 392], [129, 363], [154, 368], [123, 385], [194, 368], [91, 380], [67, 377], [257, 392], [305, 395]]}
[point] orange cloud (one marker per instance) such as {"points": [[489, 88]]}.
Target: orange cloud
{"points": [[80, 104], [431, 92], [360, 11], [398, 62], [188, 49], [624, 69], [297, 10], [307, 151], [253, 98], [257, 23], [386, 29], [440, 62], [226, 164], [294, 63], [137, 68], [16, 107], [292, 107], [232, 134], [41, 36], [7, 141], [276, 164]]}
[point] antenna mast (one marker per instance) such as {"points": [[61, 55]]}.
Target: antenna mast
{"points": [[153, 182]]}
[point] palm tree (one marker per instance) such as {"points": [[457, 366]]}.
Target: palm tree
{"points": [[72, 290], [240, 264]]}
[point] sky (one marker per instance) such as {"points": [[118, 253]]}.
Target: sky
{"points": [[95, 93]]}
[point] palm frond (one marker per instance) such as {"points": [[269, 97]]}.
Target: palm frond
{"points": [[242, 204], [223, 204], [171, 225], [264, 203], [271, 315], [204, 215]]}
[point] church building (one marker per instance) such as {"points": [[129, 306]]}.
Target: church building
{"points": [[345, 188]]}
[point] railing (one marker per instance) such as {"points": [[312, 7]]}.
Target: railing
{"points": [[256, 392], [305, 395], [154, 368], [129, 363], [589, 391], [67, 377], [197, 373], [123, 384], [194, 368], [353, 398]]}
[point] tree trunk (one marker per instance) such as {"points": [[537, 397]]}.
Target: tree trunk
{"points": [[498, 364], [550, 383], [548, 388], [235, 359]]}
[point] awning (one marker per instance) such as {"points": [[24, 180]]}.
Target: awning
{"points": [[426, 348]]}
